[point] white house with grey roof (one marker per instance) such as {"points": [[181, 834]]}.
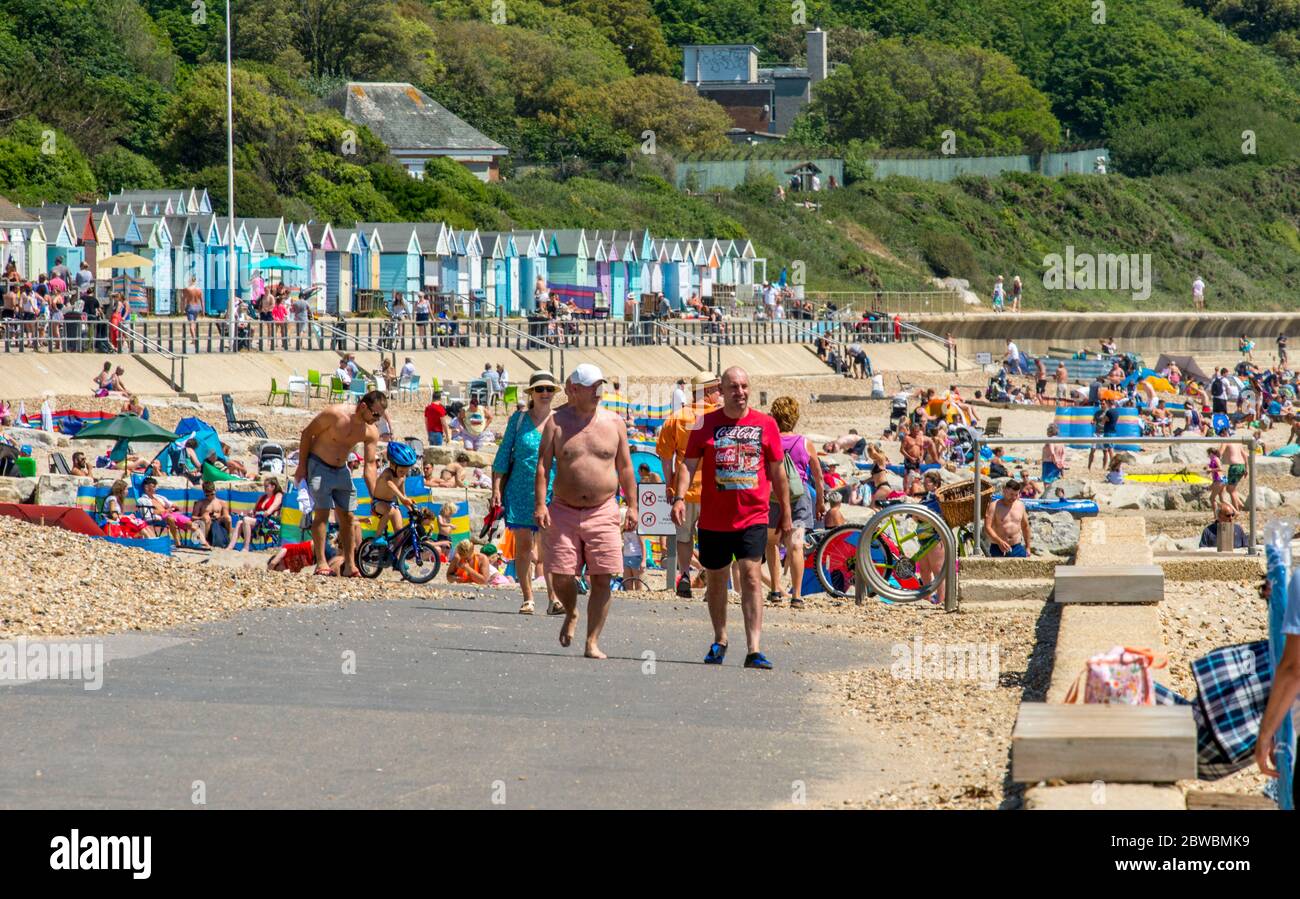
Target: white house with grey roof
{"points": [[416, 127]]}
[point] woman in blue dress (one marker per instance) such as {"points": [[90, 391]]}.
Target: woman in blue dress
{"points": [[514, 471]]}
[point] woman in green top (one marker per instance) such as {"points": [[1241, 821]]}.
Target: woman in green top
{"points": [[513, 472]]}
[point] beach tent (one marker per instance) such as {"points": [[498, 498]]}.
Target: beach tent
{"points": [[1186, 364]]}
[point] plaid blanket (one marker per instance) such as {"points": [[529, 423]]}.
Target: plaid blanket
{"points": [[1233, 684]]}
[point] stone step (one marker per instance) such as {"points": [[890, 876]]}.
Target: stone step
{"points": [[1116, 743], [1109, 583], [980, 590], [1107, 797], [1087, 630]]}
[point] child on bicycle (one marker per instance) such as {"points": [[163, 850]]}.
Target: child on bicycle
{"points": [[388, 493]]}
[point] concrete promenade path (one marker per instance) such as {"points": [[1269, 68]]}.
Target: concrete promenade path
{"points": [[454, 703]]}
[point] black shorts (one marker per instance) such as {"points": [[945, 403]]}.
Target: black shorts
{"points": [[911, 464], [1220, 405], [1041, 386], [719, 548]]}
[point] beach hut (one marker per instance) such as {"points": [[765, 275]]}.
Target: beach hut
{"points": [[400, 258], [598, 267], [61, 238], [178, 229], [323, 246], [469, 265], [15, 228], [437, 267], [501, 270], [156, 245], [567, 269], [534, 257], [347, 257]]}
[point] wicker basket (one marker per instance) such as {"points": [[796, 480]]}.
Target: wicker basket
{"points": [[957, 501]]}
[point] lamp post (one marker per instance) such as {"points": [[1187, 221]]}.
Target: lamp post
{"points": [[230, 188]]}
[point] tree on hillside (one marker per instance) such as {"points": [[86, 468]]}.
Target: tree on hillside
{"points": [[365, 39], [39, 164], [678, 116], [632, 27], [908, 93]]}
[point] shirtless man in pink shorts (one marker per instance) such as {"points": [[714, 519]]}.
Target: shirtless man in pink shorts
{"points": [[588, 445]]}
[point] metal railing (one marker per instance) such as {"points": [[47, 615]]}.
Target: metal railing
{"points": [[904, 302], [210, 335], [712, 343], [1248, 442], [385, 346], [132, 337], [524, 340], [949, 348]]}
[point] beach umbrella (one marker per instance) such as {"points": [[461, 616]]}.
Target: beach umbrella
{"points": [[126, 429], [276, 263], [125, 260]]}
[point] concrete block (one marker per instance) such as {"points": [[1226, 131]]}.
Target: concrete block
{"points": [[1109, 797], [1120, 743], [1109, 584]]}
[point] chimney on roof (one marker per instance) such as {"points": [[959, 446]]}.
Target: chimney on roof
{"points": [[816, 55]]}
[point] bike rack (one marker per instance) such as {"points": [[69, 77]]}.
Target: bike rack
{"points": [[866, 569]]}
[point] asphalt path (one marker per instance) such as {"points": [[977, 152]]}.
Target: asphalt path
{"points": [[448, 703]]}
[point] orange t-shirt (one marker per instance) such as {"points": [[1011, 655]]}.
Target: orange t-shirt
{"points": [[673, 437]]}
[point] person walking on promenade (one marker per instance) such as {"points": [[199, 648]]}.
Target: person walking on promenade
{"points": [[671, 449], [580, 524], [738, 452], [514, 473]]}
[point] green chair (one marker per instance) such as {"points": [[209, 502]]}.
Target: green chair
{"points": [[337, 390], [276, 391], [511, 396], [313, 382]]}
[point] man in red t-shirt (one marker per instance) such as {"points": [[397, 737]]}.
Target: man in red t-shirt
{"points": [[738, 453], [436, 421]]}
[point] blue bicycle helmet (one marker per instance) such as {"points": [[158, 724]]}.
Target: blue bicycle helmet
{"points": [[402, 454]]}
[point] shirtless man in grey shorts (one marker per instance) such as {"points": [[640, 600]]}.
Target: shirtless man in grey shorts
{"points": [[322, 462]]}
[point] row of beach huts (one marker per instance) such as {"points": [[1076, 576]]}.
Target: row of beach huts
{"points": [[359, 267]]}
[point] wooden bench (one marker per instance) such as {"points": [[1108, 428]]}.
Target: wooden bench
{"points": [[1119, 743]]}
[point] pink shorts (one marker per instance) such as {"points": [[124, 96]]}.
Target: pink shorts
{"points": [[591, 535]]}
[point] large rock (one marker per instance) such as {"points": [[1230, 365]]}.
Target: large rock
{"points": [[478, 500], [17, 490], [1186, 498], [1054, 532], [59, 489], [1265, 498], [33, 437], [1188, 455], [442, 455], [1073, 489], [1124, 496]]}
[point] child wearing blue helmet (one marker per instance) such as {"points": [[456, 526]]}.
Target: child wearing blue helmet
{"points": [[388, 493]]}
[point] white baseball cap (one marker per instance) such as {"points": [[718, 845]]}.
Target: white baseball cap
{"points": [[586, 375]]}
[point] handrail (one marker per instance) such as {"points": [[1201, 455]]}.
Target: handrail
{"points": [[361, 342], [712, 343], [531, 340], [950, 351], [158, 348], [1248, 442]]}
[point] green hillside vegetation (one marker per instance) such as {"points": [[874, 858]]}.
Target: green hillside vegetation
{"points": [[103, 95]]}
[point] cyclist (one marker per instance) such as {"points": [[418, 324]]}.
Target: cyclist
{"points": [[388, 493]]}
